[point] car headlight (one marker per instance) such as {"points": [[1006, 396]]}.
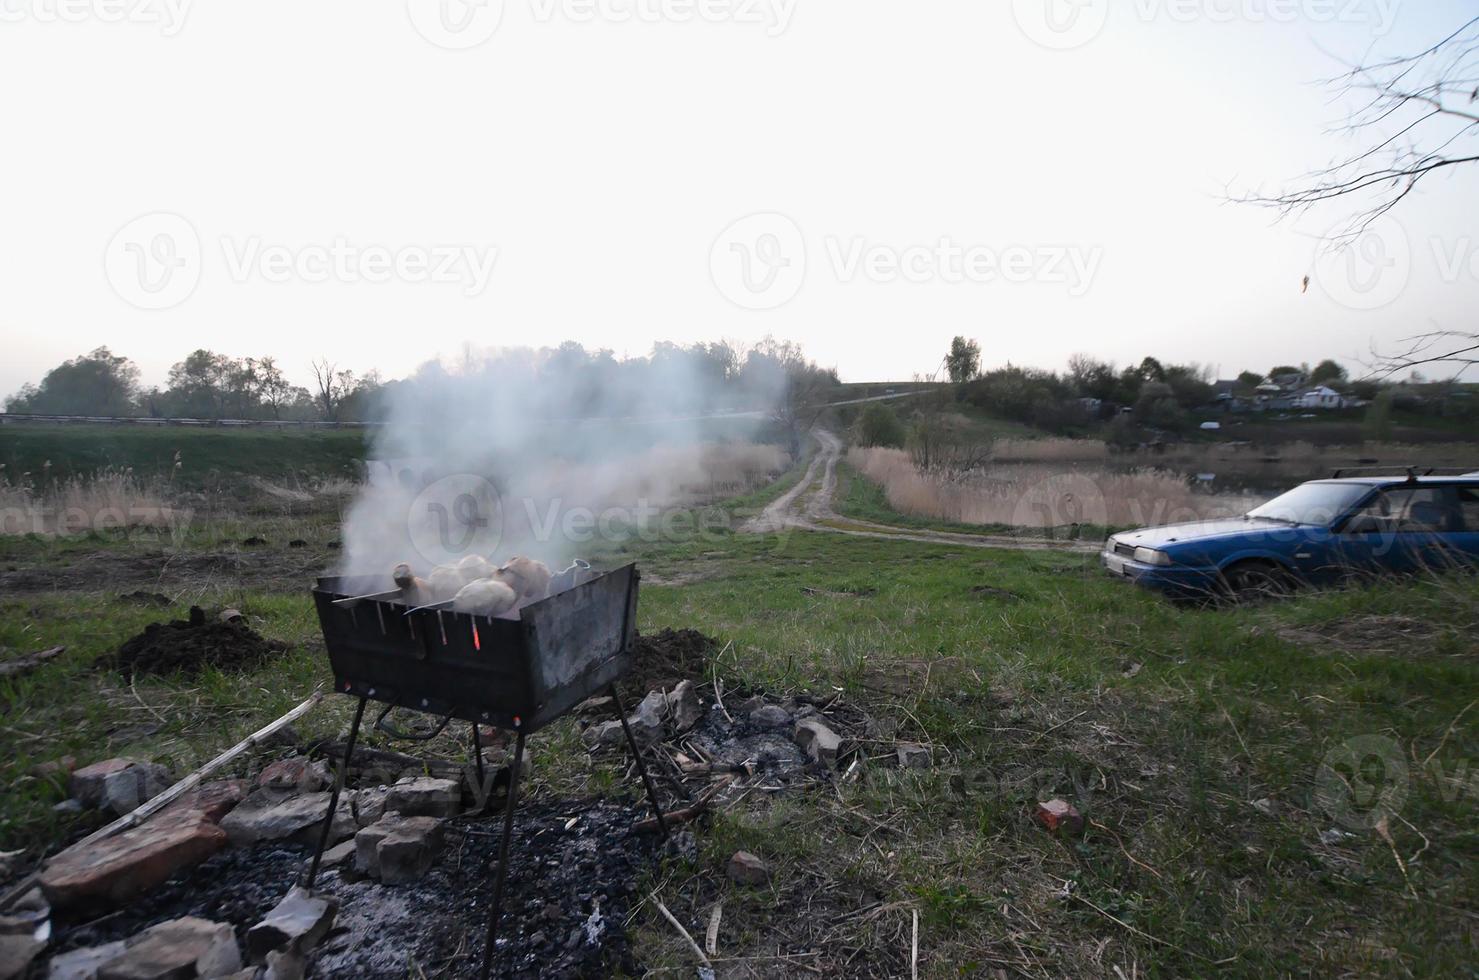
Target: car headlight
{"points": [[1150, 556]]}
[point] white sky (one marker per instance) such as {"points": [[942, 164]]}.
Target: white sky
{"points": [[603, 160]]}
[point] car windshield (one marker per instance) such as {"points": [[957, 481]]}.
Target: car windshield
{"points": [[1312, 503]]}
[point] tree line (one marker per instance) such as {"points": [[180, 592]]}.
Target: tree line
{"points": [[573, 382]]}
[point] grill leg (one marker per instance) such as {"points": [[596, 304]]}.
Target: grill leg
{"points": [[477, 753], [621, 712], [508, 830], [339, 777]]}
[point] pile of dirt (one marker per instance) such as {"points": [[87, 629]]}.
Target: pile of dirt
{"points": [[190, 645], [667, 657]]}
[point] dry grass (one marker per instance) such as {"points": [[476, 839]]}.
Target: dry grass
{"points": [[108, 499], [1049, 451], [1042, 495]]}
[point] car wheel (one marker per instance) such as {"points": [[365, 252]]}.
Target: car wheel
{"points": [[1256, 581]]}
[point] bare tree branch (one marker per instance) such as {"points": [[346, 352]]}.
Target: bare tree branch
{"points": [[1418, 116]]}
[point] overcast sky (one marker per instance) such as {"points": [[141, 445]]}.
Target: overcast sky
{"points": [[380, 183]]}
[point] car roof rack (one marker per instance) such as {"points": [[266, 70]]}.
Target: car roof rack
{"points": [[1411, 472]]}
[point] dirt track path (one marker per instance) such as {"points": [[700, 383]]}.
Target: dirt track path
{"points": [[809, 507]]}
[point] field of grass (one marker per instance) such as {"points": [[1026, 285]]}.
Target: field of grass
{"points": [[207, 455], [1228, 760]]}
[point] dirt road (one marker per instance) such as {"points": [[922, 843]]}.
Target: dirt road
{"points": [[808, 506]]}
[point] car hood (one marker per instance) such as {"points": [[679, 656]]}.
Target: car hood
{"points": [[1169, 534]]}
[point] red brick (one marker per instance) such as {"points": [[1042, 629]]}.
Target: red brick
{"points": [[107, 872], [211, 800], [1059, 816]]}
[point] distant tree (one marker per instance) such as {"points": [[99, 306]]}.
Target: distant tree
{"points": [[1250, 379], [1092, 378], [332, 387], [963, 363], [879, 425], [97, 383], [197, 385], [1151, 370], [1158, 408], [1189, 384], [1284, 369], [1327, 371], [273, 390]]}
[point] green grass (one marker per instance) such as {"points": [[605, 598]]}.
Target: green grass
{"points": [[1030, 675], [208, 456]]}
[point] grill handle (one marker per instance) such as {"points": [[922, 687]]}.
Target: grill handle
{"points": [[381, 724]]}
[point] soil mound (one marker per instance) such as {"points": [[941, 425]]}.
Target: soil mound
{"points": [[190, 645], [667, 657]]}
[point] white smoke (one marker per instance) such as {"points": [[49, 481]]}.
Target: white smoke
{"points": [[551, 453]]}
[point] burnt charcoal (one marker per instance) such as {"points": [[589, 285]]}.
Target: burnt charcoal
{"points": [[188, 646], [571, 885]]}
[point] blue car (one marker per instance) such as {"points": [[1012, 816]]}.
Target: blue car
{"points": [[1320, 533]]}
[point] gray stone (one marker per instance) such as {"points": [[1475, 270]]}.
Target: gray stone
{"points": [[287, 965], [177, 950], [266, 815], [82, 964], [915, 756], [606, 735], [16, 954], [684, 707], [747, 869], [369, 804], [425, 796], [398, 849], [646, 721], [298, 923], [338, 854], [818, 741], [124, 792], [748, 705], [770, 716], [119, 785]]}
